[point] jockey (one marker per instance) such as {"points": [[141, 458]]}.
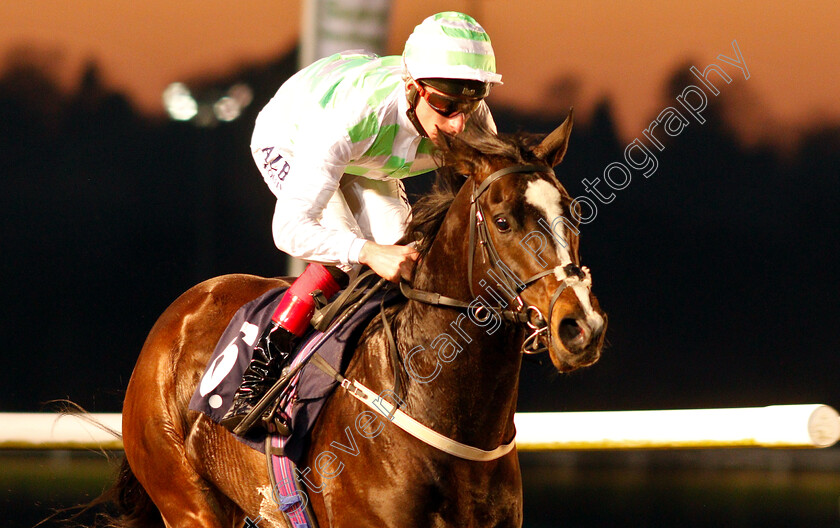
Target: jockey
{"points": [[333, 144]]}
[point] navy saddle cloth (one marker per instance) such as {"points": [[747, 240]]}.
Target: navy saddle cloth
{"points": [[223, 374]]}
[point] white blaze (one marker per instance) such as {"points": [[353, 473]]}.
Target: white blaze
{"points": [[582, 289], [545, 197]]}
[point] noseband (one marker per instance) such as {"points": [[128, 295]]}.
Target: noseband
{"points": [[522, 313]]}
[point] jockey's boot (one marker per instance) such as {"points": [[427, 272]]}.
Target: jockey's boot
{"points": [[288, 323]]}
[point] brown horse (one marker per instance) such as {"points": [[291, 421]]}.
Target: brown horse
{"points": [[459, 375]]}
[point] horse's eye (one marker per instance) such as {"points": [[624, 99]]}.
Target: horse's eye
{"points": [[502, 224]]}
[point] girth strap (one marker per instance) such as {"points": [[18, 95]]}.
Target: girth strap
{"points": [[409, 424]]}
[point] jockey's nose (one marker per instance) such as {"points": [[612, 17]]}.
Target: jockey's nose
{"points": [[456, 123]]}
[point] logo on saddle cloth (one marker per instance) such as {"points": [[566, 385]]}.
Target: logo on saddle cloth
{"points": [[223, 374], [219, 368]]}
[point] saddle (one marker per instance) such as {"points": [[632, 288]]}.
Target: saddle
{"points": [[300, 394]]}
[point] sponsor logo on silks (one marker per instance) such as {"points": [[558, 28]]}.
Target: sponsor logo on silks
{"points": [[273, 166]]}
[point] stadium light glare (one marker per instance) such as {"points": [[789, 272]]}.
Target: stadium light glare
{"points": [[179, 102]]}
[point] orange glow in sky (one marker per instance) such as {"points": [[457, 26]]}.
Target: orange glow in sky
{"points": [[624, 50]]}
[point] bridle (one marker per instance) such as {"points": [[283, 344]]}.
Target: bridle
{"points": [[522, 312]]}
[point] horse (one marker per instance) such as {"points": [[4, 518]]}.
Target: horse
{"points": [[458, 365]]}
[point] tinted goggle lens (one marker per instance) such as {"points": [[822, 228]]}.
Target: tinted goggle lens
{"points": [[449, 106]]}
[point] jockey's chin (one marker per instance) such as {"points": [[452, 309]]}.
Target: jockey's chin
{"points": [[433, 121]]}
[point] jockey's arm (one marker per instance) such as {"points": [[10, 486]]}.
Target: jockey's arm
{"points": [[312, 179], [296, 224]]}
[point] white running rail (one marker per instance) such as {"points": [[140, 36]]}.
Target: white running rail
{"points": [[812, 425]]}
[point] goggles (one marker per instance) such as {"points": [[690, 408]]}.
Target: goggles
{"points": [[446, 105]]}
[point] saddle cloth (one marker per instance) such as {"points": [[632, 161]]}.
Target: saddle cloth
{"points": [[310, 388]]}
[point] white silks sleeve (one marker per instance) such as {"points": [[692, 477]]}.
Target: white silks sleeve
{"points": [[322, 151]]}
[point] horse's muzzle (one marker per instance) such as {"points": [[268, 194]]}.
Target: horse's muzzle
{"points": [[582, 340]]}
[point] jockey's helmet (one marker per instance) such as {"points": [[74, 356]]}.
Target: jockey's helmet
{"points": [[451, 52]]}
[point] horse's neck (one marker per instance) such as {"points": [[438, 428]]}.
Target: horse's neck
{"points": [[463, 378]]}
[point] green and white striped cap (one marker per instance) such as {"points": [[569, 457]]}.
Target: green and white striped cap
{"points": [[450, 45]]}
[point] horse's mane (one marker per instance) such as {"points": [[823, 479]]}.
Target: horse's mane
{"points": [[474, 151]]}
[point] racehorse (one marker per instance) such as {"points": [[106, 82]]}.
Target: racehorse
{"points": [[497, 233]]}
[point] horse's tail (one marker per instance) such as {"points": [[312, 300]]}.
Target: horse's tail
{"points": [[135, 507]]}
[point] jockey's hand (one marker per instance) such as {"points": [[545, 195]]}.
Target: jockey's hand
{"points": [[389, 262]]}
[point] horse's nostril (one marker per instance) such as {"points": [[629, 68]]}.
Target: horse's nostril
{"points": [[569, 329]]}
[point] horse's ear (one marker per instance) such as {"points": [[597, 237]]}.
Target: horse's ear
{"points": [[553, 147]]}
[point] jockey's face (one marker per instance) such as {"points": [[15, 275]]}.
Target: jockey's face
{"points": [[432, 120]]}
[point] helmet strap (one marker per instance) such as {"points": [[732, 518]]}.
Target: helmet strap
{"points": [[413, 96]]}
